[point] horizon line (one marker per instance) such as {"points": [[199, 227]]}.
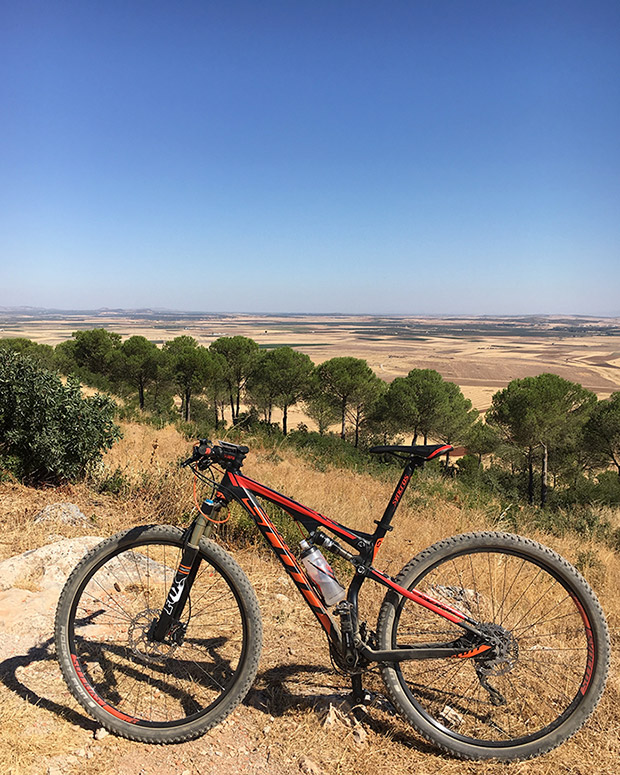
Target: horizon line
{"points": [[25, 309]]}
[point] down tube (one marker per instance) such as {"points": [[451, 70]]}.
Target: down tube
{"points": [[293, 568]]}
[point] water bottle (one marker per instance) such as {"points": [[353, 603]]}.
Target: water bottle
{"points": [[319, 570]]}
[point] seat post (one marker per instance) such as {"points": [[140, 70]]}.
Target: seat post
{"points": [[383, 524]]}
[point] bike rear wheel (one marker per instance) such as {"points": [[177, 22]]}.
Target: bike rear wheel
{"points": [[157, 692], [551, 659]]}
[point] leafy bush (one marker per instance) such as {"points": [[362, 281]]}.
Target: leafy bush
{"points": [[129, 411], [48, 432], [328, 451], [583, 520], [41, 353], [608, 488], [470, 471]]}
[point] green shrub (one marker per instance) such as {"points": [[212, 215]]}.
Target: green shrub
{"points": [[113, 482], [580, 519], [48, 432], [41, 353], [589, 564], [329, 451], [470, 471], [130, 411], [613, 541], [607, 489]]}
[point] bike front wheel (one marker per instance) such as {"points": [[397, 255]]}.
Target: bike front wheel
{"points": [[157, 692], [548, 667]]}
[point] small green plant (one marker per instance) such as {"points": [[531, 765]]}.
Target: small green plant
{"points": [[613, 540], [582, 520], [331, 451], [113, 482]]}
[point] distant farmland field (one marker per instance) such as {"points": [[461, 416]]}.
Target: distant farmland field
{"points": [[481, 355]]}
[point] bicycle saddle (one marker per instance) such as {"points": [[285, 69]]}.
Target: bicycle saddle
{"points": [[423, 451]]}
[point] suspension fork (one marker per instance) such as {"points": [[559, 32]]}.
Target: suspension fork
{"points": [[168, 622]]}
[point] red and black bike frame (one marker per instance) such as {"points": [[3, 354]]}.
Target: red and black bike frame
{"points": [[236, 486]]}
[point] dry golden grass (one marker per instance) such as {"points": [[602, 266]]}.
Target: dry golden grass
{"points": [[283, 715]]}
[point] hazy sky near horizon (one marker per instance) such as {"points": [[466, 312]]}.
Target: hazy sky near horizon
{"points": [[402, 156]]}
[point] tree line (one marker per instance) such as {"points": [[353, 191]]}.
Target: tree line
{"points": [[234, 376], [543, 432]]}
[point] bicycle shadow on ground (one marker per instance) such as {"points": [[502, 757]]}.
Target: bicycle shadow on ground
{"points": [[314, 687], [275, 692], [297, 686], [38, 655]]}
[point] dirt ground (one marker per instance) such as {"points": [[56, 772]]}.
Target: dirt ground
{"points": [[296, 718]]}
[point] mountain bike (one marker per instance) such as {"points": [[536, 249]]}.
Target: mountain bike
{"points": [[489, 644]]}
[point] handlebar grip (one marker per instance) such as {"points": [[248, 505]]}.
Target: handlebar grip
{"points": [[201, 449]]}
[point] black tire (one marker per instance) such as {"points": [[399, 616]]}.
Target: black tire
{"points": [[554, 661], [147, 691]]}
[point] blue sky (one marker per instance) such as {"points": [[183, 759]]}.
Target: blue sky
{"points": [[421, 156]]}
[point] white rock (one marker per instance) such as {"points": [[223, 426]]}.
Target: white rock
{"points": [[50, 565], [331, 717], [63, 512]]}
